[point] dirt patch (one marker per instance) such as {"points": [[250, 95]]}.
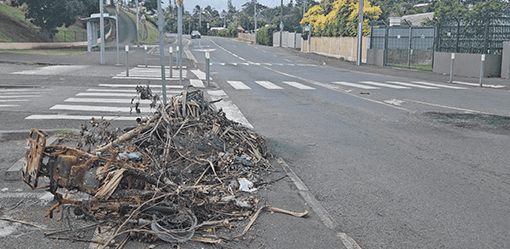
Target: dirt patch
{"points": [[474, 121]]}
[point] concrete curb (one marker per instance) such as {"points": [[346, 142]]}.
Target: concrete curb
{"points": [[14, 172]]}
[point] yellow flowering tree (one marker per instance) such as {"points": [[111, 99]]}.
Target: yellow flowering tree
{"points": [[342, 20]]}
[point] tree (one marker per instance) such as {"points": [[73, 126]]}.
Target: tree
{"points": [[50, 14], [151, 5]]}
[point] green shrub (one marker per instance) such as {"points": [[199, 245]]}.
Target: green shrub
{"points": [[265, 35]]}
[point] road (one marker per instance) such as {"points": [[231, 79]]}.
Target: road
{"points": [[398, 161]]}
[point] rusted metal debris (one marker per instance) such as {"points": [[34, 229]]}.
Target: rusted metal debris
{"points": [[172, 177]]}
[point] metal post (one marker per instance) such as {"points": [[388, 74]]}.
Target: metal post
{"points": [[117, 31], [281, 23], [207, 57], [255, 16], [179, 31], [481, 69], [137, 25], [170, 51], [451, 67], [145, 58], [360, 31], [410, 46], [101, 26], [386, 38], [161, 50], [127, 60]]}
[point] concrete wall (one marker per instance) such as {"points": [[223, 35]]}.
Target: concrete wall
{"points": [[375, 57], [505, 61], [467, 64], [339, 47], [289, 39]]}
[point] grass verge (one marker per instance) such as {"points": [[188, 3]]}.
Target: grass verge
{"points": [[153, 35], [72, 51]]}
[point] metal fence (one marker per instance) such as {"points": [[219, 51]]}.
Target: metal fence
{"points": [[36, 35], [483, 37], [404, 45]]}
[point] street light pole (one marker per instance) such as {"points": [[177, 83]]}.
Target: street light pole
{"points": [[162, 50], [101, 27], [137, 24], [281, 23], [117, 29], [360, 31], [255, 14]]}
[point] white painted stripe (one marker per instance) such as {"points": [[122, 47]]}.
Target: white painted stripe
{"points": [[438, 85], [8, 105], [292, 65], [91, 108], [384, 85], [12, 93], [298, 85], [238, 85], [201, 75], [268, 85], [233, 64], [111, 90], [356, 85], [241, 58], [256, 64], [51, 70], [13, 100], [223, 64], [135, 85], [21, 90], [79, 117], [231, 110], [411, 85], [267, 64], [167, 67], [196, 83], [246, 64], [107, 94], [175, 78], [287, 60], [18, 96], [106, 101]]}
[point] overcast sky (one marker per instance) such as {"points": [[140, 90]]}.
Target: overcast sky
{"points": [[222, 4]]}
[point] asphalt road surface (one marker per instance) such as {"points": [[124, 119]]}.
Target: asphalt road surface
{"points": [[398, 162]]}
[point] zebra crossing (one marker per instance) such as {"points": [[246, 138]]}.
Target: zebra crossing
{"points": [[116, 100], [14, 97], [363, 84]]}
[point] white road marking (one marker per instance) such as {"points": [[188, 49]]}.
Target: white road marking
{"points": [[448, 107], [106, 101], [411, 85], [135, 85], [167, 67], [246, 64], [90, 108], [268, 85], [201, 75], [196, 83], [13, 93], [231, 110], [13, 100], [384, 85], [438, 85], [356, 85], [233, 64], [51, 70], [106, 94], [238, 85], [267, 64], [243, 59], [79, 117], [8, 105], [18, 96], [175, 78], [20, 90], [111, 90], [298, 85], [394, 102]]}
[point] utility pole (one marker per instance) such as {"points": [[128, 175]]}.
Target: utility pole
{"points": [[101, 26], [179, 32], [117, 10], [360, 31], [161, 20], [137, 24], [255, 14], [281, 23]]}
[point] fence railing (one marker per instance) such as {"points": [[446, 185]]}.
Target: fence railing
{"points": [[36, 35]]}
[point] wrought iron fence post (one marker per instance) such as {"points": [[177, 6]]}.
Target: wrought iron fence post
{"points": [[385, 54]]}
